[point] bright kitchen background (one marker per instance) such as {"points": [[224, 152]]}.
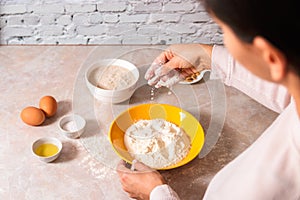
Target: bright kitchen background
{"points": [[105, 22]]}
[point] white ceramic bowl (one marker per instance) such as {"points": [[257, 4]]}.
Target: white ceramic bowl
{"points": [[105, 95], [72, 126], [43, 141]]}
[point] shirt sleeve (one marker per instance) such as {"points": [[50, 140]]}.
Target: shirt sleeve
{"points": [[271, 95], [163, 192]]}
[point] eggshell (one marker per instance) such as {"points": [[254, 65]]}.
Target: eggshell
{"points": [[48, 104], [32, 116]]}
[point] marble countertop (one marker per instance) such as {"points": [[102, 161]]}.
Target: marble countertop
{"points": [[86, 167]]}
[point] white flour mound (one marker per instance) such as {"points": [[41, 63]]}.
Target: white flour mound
{"points": [[157, 143], [115, 78]]}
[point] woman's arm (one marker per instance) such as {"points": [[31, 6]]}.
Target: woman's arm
{"points": [[273, 96], [163, 192]]}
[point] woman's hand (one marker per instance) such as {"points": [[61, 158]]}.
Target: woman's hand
{"points": [[140, 182], [177, 62]]}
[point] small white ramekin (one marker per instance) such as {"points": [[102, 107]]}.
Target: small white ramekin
{"points": [[72, 126], [47, 140]]}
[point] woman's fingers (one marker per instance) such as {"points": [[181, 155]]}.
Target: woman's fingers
{"points": [[151, 70], [161, 72], [170, 79], [142, 167], [163, 58], [187, 72], [121, 167]]}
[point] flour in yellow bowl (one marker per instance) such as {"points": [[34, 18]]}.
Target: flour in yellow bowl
{"points": [[181, 118]]}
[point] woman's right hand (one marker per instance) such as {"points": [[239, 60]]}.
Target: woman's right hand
{"points": [[141, 181], [177, 62]]}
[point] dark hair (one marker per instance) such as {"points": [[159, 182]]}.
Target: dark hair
{"points": [[271, 19]]}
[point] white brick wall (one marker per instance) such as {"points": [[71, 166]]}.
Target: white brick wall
{"points": [[105, 22]]}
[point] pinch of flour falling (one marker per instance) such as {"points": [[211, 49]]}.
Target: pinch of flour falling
{"points": [[152, 93], [157, 143]]}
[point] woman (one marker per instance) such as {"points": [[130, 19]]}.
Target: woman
{"points": [[259, 35]]}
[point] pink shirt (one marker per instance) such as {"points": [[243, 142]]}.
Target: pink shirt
{"points": [[270, 167]]}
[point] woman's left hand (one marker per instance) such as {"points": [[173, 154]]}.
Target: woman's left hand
{"points": [[140, 182]]}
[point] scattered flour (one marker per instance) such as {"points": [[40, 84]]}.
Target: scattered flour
{"points": [[157, 143], [115, 78]]}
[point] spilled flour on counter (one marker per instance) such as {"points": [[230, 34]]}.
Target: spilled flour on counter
{"points": [[157, 143]]}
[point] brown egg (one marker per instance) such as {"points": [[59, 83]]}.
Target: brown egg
{"points": [[48, 104], [32, 116]]}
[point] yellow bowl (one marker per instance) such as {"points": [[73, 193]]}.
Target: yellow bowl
{"points": [[170, 113]]}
